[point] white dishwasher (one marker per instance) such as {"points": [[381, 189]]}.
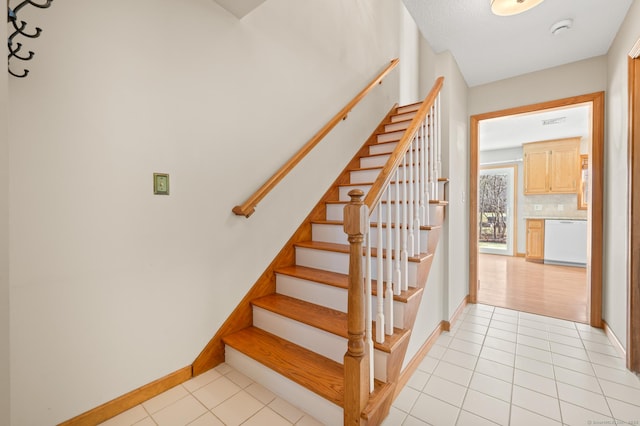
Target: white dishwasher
{"points": [[565, 242]]}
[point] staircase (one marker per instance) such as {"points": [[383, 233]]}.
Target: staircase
{"points": [[294, 332]]}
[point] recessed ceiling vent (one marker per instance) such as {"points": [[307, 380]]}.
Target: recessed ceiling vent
{"points": [[561, 26], [552, 121]]}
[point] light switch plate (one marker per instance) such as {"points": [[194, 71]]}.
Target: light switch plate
{"points": [[161, 183]]}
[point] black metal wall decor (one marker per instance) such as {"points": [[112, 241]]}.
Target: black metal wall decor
{"points": [[20, 28]]}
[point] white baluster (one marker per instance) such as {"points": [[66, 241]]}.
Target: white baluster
{"points": [[416, 203], [367, 304], [388, 294], [404, 258], [432, 156], [409, 201], [397, 275], [438, 147], [380, 280], [423, 171]]}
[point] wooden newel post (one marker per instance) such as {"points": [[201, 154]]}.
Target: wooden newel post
{"points": [[356, 360]]}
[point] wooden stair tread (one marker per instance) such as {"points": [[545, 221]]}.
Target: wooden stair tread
{"points": [[336, 279], [344, 248], [412, 105], [439, 202], [391, 123], [321, 375], [321, 317]]}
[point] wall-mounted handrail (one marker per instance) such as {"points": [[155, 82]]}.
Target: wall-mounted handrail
{"points": [[248, 207]]}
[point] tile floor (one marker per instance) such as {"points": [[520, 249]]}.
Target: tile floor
{"points": [[221, 396], [496, 366], [499, 366]]}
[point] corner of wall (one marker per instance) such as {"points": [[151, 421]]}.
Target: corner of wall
{"points": [[4, 254]]}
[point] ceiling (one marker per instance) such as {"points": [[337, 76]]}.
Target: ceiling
{"points": [[488, 48], [514, 130]]}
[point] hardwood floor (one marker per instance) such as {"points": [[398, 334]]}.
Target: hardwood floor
{"points": [[551, 290]]}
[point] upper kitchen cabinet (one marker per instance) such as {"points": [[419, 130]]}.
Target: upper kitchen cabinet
{"points": [[552, 167]]}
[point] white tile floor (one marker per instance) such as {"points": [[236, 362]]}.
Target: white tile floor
{"points": [[505, 367], [496, 366], [221, 396]]}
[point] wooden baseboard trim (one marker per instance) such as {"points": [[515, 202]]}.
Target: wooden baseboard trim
{"points": [[412, 366], [520, 254], [456, 314], [129, 400], [614, 340]]}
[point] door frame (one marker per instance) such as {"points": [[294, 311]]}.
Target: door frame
{"points": [[595, 210], [633, 249], [514, 196]]}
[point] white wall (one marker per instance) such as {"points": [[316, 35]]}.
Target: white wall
{"points": [[455, 151], [4, 249], [447, 285], [615, 178], [577, 78], [113, 287], [409, 58]]}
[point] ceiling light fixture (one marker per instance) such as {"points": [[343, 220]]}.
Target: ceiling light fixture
{"points": [[512, 7]]}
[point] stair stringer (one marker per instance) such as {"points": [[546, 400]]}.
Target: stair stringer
{"points": [[241, 317]]}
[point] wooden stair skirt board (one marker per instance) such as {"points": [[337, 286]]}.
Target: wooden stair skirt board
{"points": [[290, 331]]}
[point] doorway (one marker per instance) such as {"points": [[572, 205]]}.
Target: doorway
{"points": [[496, 210], [594, 212]]}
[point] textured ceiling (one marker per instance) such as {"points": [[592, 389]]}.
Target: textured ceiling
{"points": [[490, 48]]}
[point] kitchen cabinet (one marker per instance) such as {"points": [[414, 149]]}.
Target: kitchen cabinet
{"points": [[535, 240], [552, 167]]}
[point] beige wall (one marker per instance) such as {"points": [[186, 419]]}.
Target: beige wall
{"points": [[113, 287], [4, 250], [615, 179], [456, 167], [573, 79], [448, 282]]}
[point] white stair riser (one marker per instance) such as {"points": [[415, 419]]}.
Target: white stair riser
{"points": [[329, 296], [312, 292], [336, 212], [368, 176], [380, 365], [376, 161], [321, 342], [323, 410], [344, 191], [408, 109], [339, 262], [402, 125], [391, 136], [364, 176], [382, 148], [403, 117], [335, 234]]}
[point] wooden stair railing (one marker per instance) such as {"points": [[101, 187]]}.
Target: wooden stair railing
{"points": [[248, 207], [405, 212]]}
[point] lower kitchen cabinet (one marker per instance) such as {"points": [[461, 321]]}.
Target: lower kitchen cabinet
{"points": [[535, 240]]}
